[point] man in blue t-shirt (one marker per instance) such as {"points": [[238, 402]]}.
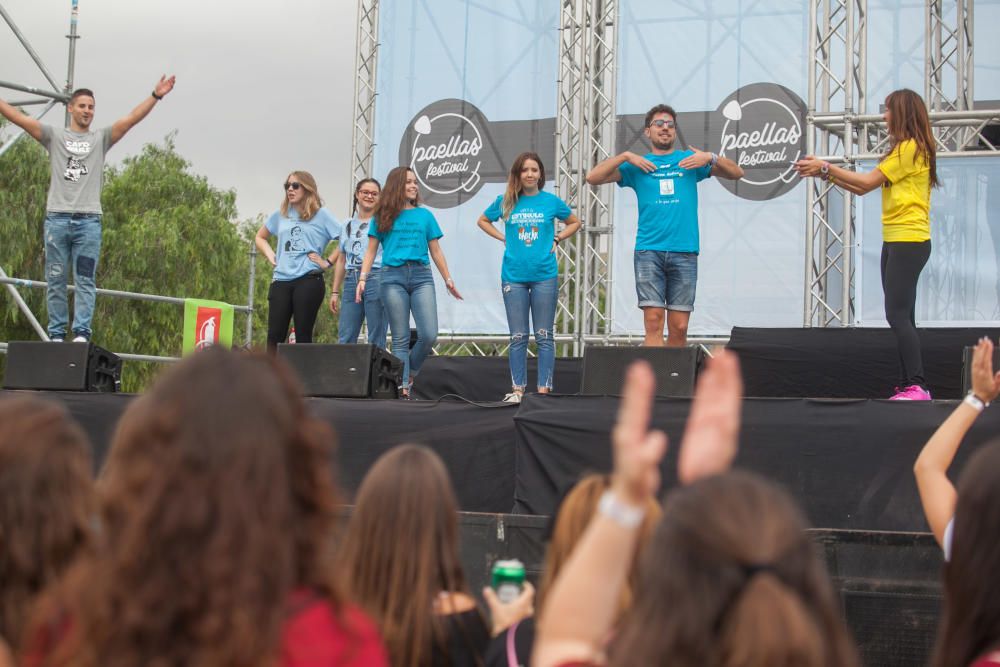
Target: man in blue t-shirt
{"points": [[665, 182]]}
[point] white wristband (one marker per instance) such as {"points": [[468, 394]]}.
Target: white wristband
{"points": [[625, 515], [974, 401]]}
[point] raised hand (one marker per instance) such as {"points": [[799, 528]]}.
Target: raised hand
{"points": [[165, 85], [506, 614], [711, 436], [985, 383], [809, 166], [637, 450]]}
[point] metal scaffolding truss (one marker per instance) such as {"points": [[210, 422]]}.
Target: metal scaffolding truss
{"points": [[366, 60], [585, 125], [840, 131]]}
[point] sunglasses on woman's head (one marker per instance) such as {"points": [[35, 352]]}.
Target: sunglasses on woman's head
{"points": [[293, 186]]}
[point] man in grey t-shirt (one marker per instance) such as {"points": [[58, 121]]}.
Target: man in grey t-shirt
{"points": [[73, 212]]}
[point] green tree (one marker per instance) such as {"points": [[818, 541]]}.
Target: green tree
{"points": [[166, 231]]}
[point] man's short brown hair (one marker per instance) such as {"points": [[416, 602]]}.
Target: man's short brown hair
{"points": [[80, 92], [658, 109]]}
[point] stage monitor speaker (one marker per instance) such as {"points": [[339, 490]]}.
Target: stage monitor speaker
{"points": [[675, 367], [61, 367], [967, 367], [344, 371]]}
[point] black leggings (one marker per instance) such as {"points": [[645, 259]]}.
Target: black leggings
{"points": [[902, 263], [299, 298]]}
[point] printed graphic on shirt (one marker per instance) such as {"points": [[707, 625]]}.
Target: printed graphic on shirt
{"points": [[527, 225], [74, 169], [295, 243]]}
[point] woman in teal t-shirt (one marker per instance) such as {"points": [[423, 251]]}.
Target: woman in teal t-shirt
{"points": [[529, 274], [409, 237]]}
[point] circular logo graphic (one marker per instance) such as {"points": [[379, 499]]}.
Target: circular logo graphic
{"points": [[444, 145], [762, 130]]}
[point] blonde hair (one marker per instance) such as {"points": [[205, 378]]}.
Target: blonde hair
{"points": [[514, 188], [310, 203]]}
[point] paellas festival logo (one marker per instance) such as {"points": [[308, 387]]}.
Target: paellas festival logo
{"points": [[762, 131], [446, 146]]}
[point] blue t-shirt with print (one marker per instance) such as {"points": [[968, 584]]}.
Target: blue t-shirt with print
{"points": [[408, 238], [529, 231], [354, 244], [668, 202], [297, 238]]}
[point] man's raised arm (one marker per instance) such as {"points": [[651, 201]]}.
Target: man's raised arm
{"points": [[30, 125], [125, 124]]}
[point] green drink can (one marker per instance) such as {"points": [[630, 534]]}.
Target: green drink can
{"points": [[508, 579]]}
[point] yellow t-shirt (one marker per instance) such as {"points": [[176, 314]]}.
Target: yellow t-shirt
{"points": [[906, 195]]}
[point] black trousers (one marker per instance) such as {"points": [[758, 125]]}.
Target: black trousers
{"points": [[299, 299], [902, 263]]}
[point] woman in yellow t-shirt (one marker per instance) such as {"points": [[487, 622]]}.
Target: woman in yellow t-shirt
{"points": [[906, 175]]}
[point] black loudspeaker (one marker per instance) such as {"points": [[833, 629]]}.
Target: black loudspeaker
{"points": [[675, 367], [344, 371], [61, 367], [967, 367]]}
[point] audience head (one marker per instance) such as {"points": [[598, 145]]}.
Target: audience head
{"points": [[401, 549], [217, 502], [47, 504], [572, 518], [970, 621], [731, 578]]}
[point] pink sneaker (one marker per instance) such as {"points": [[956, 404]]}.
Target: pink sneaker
{"points": [[912, 393]]}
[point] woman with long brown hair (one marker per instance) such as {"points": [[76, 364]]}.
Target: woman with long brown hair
{"points": [[401, 562], [217, 511], [529, 277], [304, 229], [408, 234], [729, 577], [47, 505], [905, 175]]}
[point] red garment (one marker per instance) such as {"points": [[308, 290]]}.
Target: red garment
{"points": [[314, 636], [991, 660]]}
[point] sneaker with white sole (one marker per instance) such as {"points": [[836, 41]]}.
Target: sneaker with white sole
{"points": [[512, 397], [912, 393], [55, 340], [81, 339]]}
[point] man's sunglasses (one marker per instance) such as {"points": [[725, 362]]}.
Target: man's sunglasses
{"points": [[659, 122]]}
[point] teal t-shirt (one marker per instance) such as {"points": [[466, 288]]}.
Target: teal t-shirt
{"points": [[529, 231], [668, 202], [408, 238], [297, 238]]}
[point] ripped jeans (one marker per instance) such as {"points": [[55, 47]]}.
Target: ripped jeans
{"points": [[72, 242], [538, 298]]}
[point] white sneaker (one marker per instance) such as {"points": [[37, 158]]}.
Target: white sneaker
{"points": [[81, 339], [512, 397], [55, 340]]}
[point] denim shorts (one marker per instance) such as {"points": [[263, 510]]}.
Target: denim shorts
{"points": [[666, 279]]}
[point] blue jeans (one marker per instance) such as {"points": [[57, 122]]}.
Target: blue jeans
{"points": [[666, 279], [353, 314], [540, 299], [71, 240], [406, 290]]}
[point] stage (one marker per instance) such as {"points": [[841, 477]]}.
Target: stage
{"points": [[848, 461]]}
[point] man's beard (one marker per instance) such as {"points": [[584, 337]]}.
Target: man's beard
{"points": [[669, 145]]}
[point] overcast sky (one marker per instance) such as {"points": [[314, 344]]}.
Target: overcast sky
{"points": [[262, 87]]}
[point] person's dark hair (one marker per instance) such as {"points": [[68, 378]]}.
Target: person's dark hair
{"points": [[908, 119], [357, 189], [401, 550], [658, 109], [514, 188], [47, 504], [80, 92], [217, 502], [393, 199], [970, 619], [731, 578]]}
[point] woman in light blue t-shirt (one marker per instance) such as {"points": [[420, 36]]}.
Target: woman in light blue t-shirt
{"points": [[529, 274], [408, 234], [304, 228]]}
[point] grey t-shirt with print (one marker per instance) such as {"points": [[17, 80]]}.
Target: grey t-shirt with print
{"points": [[77, 165]]}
